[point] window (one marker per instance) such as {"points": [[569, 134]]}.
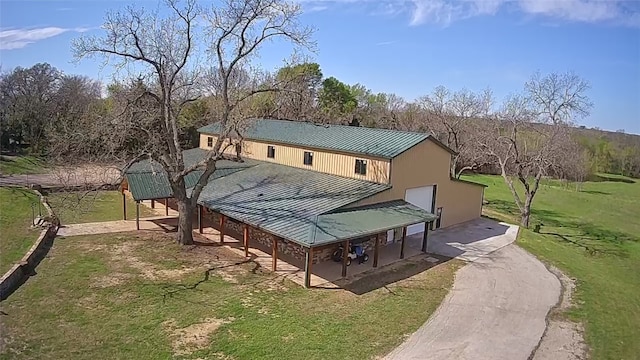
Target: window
{"points": [[308, 158], [361, 167], [271, 152], [209, 141]]}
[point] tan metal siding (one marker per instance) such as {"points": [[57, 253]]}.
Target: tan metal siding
{"points": [[428, 164], [326, 162]]}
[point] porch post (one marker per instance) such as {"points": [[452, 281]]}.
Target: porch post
{"points": [[307, 267], [124, 206], [138, 215], [376, 251], [222, 221], [404, 236], [153, 204], [424, 237], [274, 253], [345, 256], [200, 230], [166, 206], [245, 238]]}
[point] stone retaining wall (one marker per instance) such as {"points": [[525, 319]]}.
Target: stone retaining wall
{"points": [[21, 271]]}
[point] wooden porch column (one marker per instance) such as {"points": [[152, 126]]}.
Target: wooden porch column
{"points": [[274, 253], [376, 251], [124, 206], [307, 267], [200, 210], [166, 206], [153, 204], [245, 238], [404, 236], [424, 236], [138, 215], [345, 256], [222, 221]]}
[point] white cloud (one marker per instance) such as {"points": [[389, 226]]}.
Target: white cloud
{"points": [[444, 12], [592, 11], [18, 38]]}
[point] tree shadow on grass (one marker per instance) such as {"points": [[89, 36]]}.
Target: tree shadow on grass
{"points": [[595, 192], [602, 178], [592, 238]]}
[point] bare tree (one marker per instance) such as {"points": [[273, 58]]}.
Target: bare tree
{"points": [[528, 136], [452, 116], [164, 49]]}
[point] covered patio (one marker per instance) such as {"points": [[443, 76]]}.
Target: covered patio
{"points": [[364, 225]]}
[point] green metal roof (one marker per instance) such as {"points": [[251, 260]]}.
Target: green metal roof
{"points": [[367, 220], [283, 200], [150, 185], [380, 143], [148, 180]]}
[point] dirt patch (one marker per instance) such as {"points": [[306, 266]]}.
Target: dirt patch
{"points": [[185, 341], [563, 339], [113, 279], [125, 252]]}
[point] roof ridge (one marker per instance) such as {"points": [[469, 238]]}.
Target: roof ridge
{"points": [[328, 125]]}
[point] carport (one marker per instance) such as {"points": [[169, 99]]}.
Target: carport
{"points": [[346, 225], [147, 180]]}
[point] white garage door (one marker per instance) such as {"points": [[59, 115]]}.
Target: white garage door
{"points": [[421, 197]]}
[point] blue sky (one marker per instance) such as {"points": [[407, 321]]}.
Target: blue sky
{"points": [[405, 47]]}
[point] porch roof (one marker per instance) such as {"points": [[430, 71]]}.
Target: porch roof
{"points": [[367, 220]]}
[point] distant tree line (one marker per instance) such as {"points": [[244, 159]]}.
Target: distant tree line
{"points": [[43, 109]]}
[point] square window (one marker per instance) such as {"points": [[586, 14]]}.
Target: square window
{"points": [[271, 152], [209, 141], [308, 158], [361, 167]]}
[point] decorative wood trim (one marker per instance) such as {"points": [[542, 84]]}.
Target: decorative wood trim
{"points": [[376, 251], [245, 238], [404, 236], [274, 254]]}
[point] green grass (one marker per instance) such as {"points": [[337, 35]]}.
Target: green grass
{"points": [[15, 165], [107, 297], [94, 206], [592, 235], [16, 235]]}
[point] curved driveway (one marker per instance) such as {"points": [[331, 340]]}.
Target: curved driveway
{"points": [[496, 310]]}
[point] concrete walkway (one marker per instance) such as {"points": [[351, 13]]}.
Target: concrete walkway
{"points": [[498, 305]]}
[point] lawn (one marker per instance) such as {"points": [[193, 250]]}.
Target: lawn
{"points": [[80, 207], [14, 165], [16, 235], [593, 235], [141, 296]]}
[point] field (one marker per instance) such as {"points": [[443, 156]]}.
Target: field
{"points": [[82, 207], [15, 165], [141, 296], [593, 235], [16, 236]]}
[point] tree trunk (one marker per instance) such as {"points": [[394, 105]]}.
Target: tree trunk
{"points": [[185, 222], [526, 211], [524, 221]]}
